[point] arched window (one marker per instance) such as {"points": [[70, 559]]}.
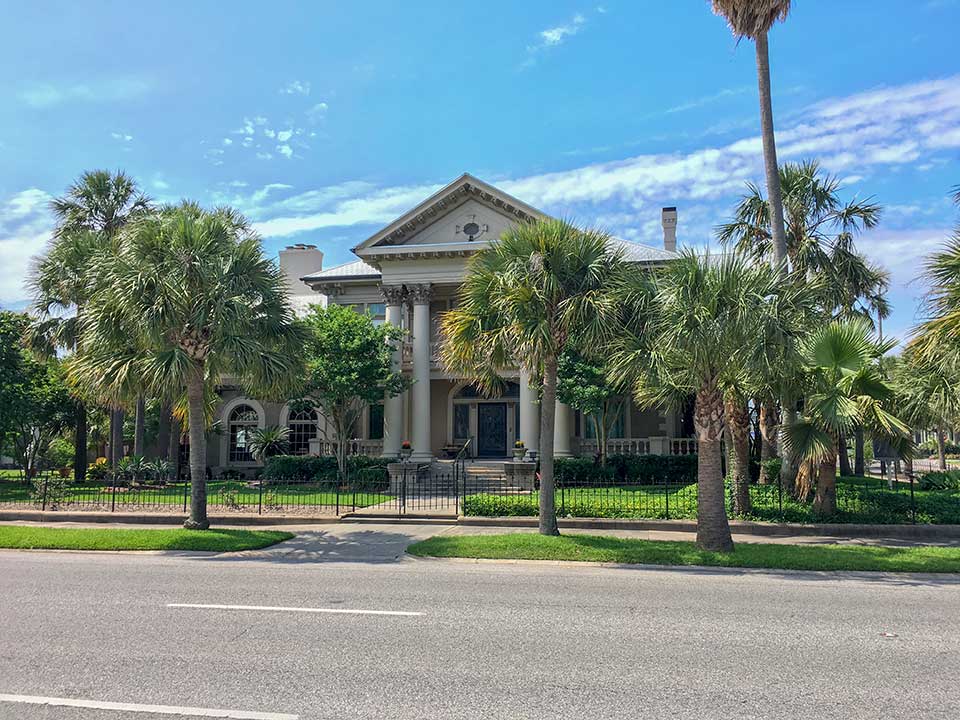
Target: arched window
{"points": [[243, 421], [303, 428]]}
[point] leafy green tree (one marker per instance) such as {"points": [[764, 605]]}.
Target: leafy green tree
{"points": [[753, 19], [845, 387], [348, 367], [89, 216], [928, 394], [584, 385], [538, 290], [202, 302], [695, 328]]}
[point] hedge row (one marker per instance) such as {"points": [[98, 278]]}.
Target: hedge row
{"points": [[310, 468], [633, 469]]}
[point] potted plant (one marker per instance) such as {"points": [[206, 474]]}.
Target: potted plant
{"points": [[519, 450], [406, 449]]}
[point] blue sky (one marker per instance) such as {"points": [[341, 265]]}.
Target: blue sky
{"points": [[325, 120]]}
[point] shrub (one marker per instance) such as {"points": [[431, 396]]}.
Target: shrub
{"points": [[940, 480], [53, 488], [655, 469], [98, 469], [930, 448], [59, 454], [581, 471], [771, 470], [310, 468]]}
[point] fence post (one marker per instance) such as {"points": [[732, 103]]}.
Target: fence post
{"points": [[666, 499], [780, 496], [186, 486], [913, 502], [260, 505], [113, 491], [44, 493], [337, 488], [563, 500]]}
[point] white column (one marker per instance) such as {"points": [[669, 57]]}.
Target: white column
{"points": [[420, 392], [393, 406], [562, 429], [529, 414]]}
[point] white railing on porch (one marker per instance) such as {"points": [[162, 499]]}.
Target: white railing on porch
{"points": [[406, 353], [371, 448], [641, 446]]}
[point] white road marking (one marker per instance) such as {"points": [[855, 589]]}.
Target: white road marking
{"points": [[271, 608], [155, 709]]}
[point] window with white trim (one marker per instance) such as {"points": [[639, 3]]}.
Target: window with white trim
{"points": [[243, 421]]}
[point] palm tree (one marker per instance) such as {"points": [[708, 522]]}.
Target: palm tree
{"points": [[753, 19], [820, 233], [928, 393], [845, 388], [203, 302], [697, 328], [269, 441], [89, 216], [542, 287]]}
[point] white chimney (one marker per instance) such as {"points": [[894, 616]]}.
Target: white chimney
{"points": [[668, 217], [297, 261]]}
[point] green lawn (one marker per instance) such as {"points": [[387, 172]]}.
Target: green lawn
{"points": [[22, 537], [592, 548], [219, 493]]}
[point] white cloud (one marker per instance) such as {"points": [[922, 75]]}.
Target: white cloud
{"points": [[317, 112], [227, 141], [25, 227], [284, 135], [557, 35], [264, 156], [124, 137], [285, 150], [296, 87], [102, 90]]}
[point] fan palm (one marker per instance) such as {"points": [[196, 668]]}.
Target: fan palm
{"points": [[753, 19], [542, 287], [203, 302], [697, 328], [928, 394], [269, 441], [845, 387], [89, 216], [820, 233]]}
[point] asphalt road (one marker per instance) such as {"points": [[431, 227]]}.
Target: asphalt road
{"points": [[491, 640]]}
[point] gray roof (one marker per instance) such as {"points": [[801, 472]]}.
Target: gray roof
{"points": [[635, 252], [351, 270]]}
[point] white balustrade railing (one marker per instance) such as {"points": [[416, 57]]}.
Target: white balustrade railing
{"points": [[406, 353], [640, 446], [371, 448]]}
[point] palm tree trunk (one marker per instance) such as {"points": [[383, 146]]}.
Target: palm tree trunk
{"points": [[139, 426], [859, 465], [116, 437], [844, 455], [769, 428], [770, 150], [173, 448], [941, 449], [825, 500], [80, 444], [163, 432], [548, 413], [789, 467], [198, 453], [737, 418], [713, 528]]}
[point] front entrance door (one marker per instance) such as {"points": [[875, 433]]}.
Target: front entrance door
{"points": [[492, 429]]}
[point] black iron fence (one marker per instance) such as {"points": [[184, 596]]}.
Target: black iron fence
{"points": [[459, 492]]}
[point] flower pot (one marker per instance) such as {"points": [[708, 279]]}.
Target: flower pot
{"points": [[518, 454]]}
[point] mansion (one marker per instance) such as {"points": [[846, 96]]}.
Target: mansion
{"points": [[408, 274]]}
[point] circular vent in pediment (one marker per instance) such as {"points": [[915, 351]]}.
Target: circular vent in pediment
{"points": [[471, 228]]}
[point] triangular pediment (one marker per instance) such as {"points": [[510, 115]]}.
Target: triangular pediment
{"points": [[467, 210]]}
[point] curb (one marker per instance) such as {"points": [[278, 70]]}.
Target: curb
{"points": [[741, 527]]}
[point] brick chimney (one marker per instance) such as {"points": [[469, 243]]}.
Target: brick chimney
{"points": [[668, 218], [299, 260]]}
